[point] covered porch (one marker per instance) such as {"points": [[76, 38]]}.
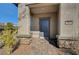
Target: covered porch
{"points": [[39, 20]]}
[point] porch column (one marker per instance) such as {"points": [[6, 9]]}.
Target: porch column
{"points": [[24, 20], [28, 20]]}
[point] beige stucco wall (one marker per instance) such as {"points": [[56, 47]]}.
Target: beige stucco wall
{"points": [[53, 23], [69, 12]]}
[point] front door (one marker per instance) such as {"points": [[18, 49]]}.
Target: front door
{"points": [[44, 26]]}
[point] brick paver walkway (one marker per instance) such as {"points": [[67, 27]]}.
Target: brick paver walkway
{"points": [[37, 47]]}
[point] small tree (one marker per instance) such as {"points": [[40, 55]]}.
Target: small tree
{"points": [[9, 26]]}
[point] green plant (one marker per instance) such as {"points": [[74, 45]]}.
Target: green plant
{"points": [[8, 38], [9, 26]]}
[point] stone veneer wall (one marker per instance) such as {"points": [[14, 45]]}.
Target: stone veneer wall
{"points": [[69, 25]]}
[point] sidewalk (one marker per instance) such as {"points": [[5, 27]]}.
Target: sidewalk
{"points": [[38, 47]]}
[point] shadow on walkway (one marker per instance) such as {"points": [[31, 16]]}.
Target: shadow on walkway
{"points": [[53, 42]]}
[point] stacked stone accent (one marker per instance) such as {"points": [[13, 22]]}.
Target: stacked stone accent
{"points": [[25, 41], [72, 44]]}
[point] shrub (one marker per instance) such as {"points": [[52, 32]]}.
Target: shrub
{"points": [[7, 36]]}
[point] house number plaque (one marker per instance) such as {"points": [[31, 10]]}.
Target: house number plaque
{"points": [[68, 22]]}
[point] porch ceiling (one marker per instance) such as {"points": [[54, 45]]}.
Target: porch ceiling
{"points": [[44, 8]]}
